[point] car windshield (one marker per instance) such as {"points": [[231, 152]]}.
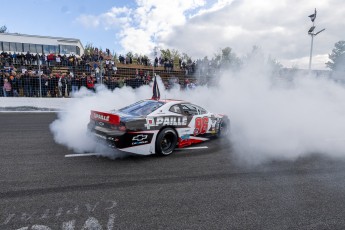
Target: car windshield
{"points": [[142, 108]]}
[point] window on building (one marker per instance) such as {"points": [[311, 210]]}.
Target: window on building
{"points": [[39, 48], [63, 49], [72, 49], [46, 49], [53, 49], [19, 47], [6, 46], [12, 47], [26, 47], [67, 49], [78, 50], [33, 48]]}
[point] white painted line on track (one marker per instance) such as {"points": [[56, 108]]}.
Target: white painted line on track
{"points": [[191, 148], [82, 155]]}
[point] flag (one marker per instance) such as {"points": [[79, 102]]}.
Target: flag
{"points": [[156, 94], [312, 16]]}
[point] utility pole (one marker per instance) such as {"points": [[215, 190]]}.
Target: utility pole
{"points": [[312, 34]]}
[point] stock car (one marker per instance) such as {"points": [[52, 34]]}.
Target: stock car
{"points": [[157, 126]]}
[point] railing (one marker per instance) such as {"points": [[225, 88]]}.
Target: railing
{"points": [[25, 78]]}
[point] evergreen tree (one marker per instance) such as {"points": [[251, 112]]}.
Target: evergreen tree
{"points": [[337, 57], [3, 29]]}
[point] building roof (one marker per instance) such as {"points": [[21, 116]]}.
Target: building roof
{"points": [[60, 39]]}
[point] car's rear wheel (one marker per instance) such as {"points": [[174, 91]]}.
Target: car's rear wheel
{"points": [[224, 128], [166, 142]]}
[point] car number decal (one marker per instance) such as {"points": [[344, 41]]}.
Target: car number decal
{"points": [[201, 124]]}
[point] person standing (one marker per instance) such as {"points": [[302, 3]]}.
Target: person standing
{"points": [[74, 84], [15, 84], [69, 83], [90, 83], [52, 83], [83, 81], [60, 86], [7, 88], [26, 83], [44, 85], [2, 91]]}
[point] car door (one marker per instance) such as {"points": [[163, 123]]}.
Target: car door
{"points": [[198, 117]]}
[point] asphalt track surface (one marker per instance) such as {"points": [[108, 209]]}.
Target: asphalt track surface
{"points": [[194, 189]]}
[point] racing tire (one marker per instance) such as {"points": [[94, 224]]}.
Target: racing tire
{"points": [[166, 142], [224, 128]]}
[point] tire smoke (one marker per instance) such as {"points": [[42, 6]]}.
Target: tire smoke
{"points": [[272, 117]]}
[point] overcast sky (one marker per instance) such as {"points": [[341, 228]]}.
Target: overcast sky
{"points": [[197, 27]]}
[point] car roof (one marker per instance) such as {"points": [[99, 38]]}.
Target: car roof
{"points": [[169, 100]]}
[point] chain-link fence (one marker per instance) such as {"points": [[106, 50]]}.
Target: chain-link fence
{"points": [[27, 75]]}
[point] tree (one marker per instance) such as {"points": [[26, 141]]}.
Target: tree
{"points": [[227, 59], [170, 54], [274, 64], [89, 48], [3, 29], [337, 57]]}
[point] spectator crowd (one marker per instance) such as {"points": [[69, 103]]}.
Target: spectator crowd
{"points": [[31, 75]]}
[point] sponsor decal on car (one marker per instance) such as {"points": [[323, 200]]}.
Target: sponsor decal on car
{"points": [[162, 121], [101, 117], [140, 139]]}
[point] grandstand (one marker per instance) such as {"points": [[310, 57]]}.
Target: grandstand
{"points": [[61, 56]]}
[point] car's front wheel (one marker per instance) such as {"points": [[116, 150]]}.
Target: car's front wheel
{"points": [[166, 142]]}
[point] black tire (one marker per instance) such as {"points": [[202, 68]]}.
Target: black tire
{"points": [[166, 142], [224, 128]]}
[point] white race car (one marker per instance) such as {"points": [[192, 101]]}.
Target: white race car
{"points": [[157, 126]]}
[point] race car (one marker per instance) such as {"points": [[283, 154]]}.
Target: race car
{"points": [[157, 126]]}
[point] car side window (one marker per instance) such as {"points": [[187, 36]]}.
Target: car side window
{"points": [[189, 109], [200, 110], [175, 109]]}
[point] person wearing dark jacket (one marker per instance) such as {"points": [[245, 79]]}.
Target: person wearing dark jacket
{"points": [[26, 83], [44, 85], [35, 84], [74, 84], [1, 85], [83, 80], [52, 83], [15, 84]]}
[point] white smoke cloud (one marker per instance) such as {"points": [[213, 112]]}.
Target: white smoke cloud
{"points": [[70, 129], [200, 28], [271, 118]]}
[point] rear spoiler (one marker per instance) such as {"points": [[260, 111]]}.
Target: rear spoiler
{"points": [[105, 117]]}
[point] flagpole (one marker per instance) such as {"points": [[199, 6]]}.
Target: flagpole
{"points": [[154, 59]]}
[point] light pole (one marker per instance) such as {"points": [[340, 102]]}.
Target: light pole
{"points": [[312, 34]]}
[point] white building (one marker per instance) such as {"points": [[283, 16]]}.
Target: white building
{"points": [[22, 43]]}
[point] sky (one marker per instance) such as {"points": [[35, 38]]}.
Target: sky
{"points": [[198, 28]]}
